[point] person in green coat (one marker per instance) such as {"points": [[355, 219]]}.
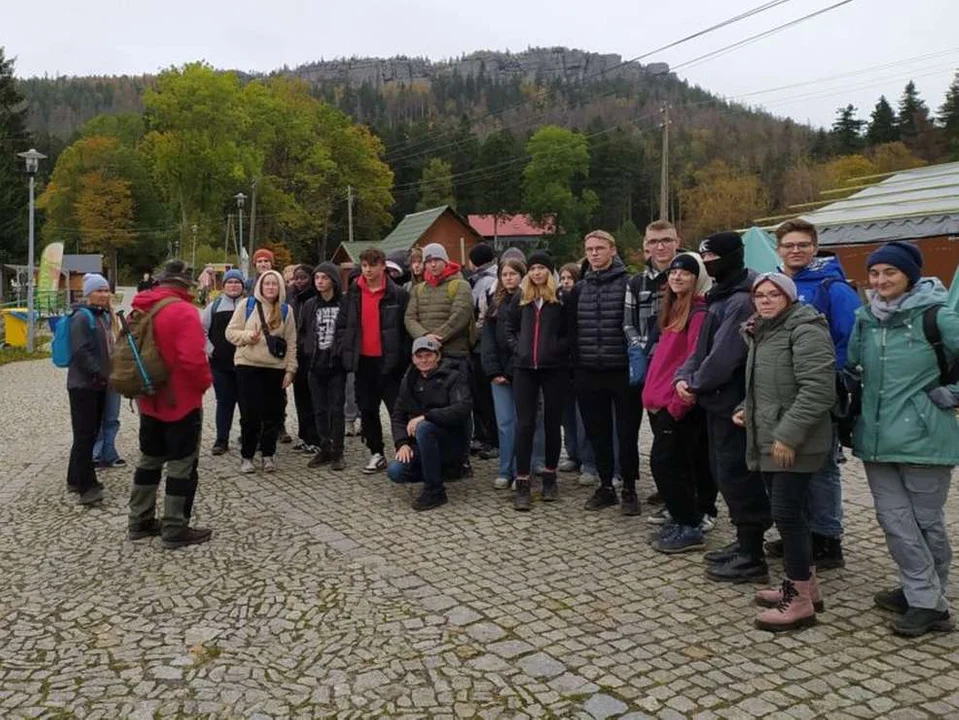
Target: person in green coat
{"points": [[908, 433], [790, 390]]}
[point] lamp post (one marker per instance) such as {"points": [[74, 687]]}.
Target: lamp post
{"points": [[32, 159], [240, 202], [194, 227]]}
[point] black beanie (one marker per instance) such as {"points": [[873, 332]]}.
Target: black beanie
{"points": [[721, 243], [684, 261], [541, 257], [481, 254]]}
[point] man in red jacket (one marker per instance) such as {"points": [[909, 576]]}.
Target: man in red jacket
{"points": [[171, 421]]}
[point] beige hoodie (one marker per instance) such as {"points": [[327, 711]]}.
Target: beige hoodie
{"points": [[241, 329]]}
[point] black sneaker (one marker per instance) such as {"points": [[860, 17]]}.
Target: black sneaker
{"points": [[655, 499], [321, 458], [629, 504], [489, 453], [220, 448], [604, 497], [740, 569], [429, 500], [338, 464], [827, 552], [187, 536], [918, 621], [893, 600], [146, 530], [722, 554], [774, 548], [550, 489], [522, 497]]}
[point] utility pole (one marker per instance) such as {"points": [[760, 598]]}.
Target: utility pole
{"points": [[252, 214], [349, 210], [194, 228], [664, 179]]}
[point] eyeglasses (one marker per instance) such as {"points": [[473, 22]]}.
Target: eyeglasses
{"points": [[770, 296], [793, 247], [662, 242]]}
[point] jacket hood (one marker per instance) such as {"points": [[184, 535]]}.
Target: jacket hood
{"points": [[452, 268], [145, 300], [333, 273], [928, 291], [258, 288], [821, 268], [615, 270]]}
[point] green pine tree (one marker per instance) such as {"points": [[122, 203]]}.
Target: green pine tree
{"points": [[883, 127], [949, 118], [14, 138], [913, 113], [847, 131]]}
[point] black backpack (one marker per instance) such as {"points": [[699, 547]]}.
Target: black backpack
{"points": [[948, 372]]}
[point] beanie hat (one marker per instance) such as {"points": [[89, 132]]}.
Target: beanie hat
{"points": [[904, 256], [541, 257], [481, 254], [721, 243], [515, 253], [93, 282], [176, 272], [783, 282], [684, 261], [233, 274], [435, 251], [264, 253]]}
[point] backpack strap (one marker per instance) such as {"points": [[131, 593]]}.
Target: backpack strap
{"points": [[216, 306], [930, 329], [250, 306]]}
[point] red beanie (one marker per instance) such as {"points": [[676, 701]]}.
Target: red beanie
{"points": [[264, 253]]}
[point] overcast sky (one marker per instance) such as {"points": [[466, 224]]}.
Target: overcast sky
{"points": [[909, 38]]}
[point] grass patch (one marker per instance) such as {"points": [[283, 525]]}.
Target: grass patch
{"points": [[17, 354]]}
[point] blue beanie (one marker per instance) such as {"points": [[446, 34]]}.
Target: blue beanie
{"points": [[233, 274], [93, 282], [904, 256]]}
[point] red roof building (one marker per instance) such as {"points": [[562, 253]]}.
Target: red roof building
{"points": [[504, 230]]}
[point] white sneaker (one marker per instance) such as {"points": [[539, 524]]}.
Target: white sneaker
{"points": [[501, 483], [298, 444], [660, 517], [617, 482], [358, 427], [587, 479], [707, 523], [567, 466], [269, 464], [376, 463], [246, 467]]}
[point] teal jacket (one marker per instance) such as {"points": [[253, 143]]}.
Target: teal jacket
{"points": [[899, 423]]}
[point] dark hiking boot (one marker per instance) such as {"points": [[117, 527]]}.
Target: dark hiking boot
{"points": [[146, 530], [827, 552], [918, 621], [429, 500], [740, 569], [774, 548], [629, 503], [320, 458], [92, 496], [522, 498], [723, 554], [550, 489], [893, 601], [187, 536], [682, 539], [220, 448], [604, 497], [338, 464]]}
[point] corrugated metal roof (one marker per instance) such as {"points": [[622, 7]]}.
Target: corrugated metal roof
{"points": [[82, 264], [411, 229], [353, 250], [923, 202]]}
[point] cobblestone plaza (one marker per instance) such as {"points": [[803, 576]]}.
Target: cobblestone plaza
{"points": [[324, 595]]}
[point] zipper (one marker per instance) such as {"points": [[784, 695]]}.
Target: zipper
{"points": [[882, 373], [536, 339]]}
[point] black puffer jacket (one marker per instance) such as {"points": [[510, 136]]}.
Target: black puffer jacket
{"points": [[395, 340], [595, 315], [442, 397], [496, 356], [537, 336]]}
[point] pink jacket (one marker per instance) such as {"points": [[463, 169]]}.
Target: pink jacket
{"points": [[672, 350]]}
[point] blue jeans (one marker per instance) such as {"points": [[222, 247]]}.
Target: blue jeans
{"points": [[437, 448], [824, 501], [224, 386], [105, 448], [505, 409]]}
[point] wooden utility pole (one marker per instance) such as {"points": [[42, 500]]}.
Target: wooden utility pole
{"points": [[664, 179], [252, 214], [349, 211]]}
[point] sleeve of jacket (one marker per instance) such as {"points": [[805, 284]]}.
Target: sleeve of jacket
{"points": [[189, 343], [853, 346], [84, 353], [843, 303], [571, 302], [459, 407], [206, 320], [633, 336], [512, 317], [728, 352], [236, 331], [413, 325], [814, 366], [289, 334], [461, 313], [948, 321], [488, 355], [401, 415], [306, 310], [676, 407]]}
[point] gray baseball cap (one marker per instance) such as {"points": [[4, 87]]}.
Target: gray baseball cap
{"points": [[425, 343]]}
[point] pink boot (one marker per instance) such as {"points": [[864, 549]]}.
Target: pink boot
{"points": [[771, 597], [795, 609]]}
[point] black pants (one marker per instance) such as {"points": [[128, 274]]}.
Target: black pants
{"points": [[302, 398], [224, 385], [679, 461], [743, 491], [86, 416], [601, 393], [484, 417], [328, 392], [372, 388], [527, 385], [261, 409], [788, 493]]}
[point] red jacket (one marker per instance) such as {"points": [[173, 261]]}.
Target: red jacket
{"points": [[181, 342], [672, 350]]}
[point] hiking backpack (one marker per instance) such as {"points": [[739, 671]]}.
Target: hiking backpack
{"points": [[61, 350], [137, 368], [948, 372], [251, 306]]}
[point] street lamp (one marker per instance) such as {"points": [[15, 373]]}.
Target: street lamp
{"points": [[240, 202], [32, 159]]}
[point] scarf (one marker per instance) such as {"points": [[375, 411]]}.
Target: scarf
{"points": [[883, 309]]}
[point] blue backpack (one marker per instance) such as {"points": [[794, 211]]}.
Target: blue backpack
{"points": [[61, 350], [251, 306]]}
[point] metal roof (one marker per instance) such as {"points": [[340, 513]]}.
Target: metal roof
{"points": [[912, 204]]}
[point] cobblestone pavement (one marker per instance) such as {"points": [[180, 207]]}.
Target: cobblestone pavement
{"points": [[324, 595]]}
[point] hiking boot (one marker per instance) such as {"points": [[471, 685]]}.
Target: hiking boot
{"points": [[429, 500], [774, 548], [220, 448], [246, 466], [550, 488], [522, 499], [476, 447], [377, 462], [587, 479], [655, 499], [681, 539], [827, 552], [659, 517], [321, 458], [722, 554], [893, 600], [793, 611], [740, 568], [771, 597], [187, 536], [92, 496], [269, 464], [604, 497], [148, 529], [338, 464], [918, 621], [568, 466], [629, 504]]}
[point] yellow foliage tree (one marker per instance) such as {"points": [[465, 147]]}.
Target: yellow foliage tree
{"points": [[723, 198]]}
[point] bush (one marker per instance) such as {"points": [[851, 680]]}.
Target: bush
{"points": [[18, 354]]}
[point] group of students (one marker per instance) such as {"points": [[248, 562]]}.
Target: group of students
{"points": [[737, 373]]}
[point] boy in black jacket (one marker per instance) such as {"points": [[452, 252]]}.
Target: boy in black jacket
{"points": [[430, 423]]}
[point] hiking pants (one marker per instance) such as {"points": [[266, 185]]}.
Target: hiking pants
{"points": [[679, 461], [328, 391], [601, 395], [261, 409], [224, 386], [302, 398], [86, 415], [527, 385]]}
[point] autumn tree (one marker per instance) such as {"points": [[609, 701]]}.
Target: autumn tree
{"points": [[883, 126], [436, 185], [722, 198]]}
